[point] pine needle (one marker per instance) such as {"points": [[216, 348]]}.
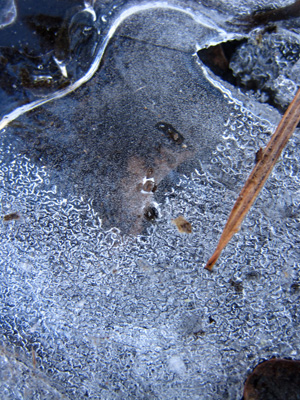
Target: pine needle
{"points": [[259, 175]]}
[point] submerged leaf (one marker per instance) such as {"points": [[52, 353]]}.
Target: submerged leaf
{"points": [[182, 224]]}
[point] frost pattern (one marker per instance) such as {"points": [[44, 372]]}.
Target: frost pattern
{"points": [[115, 316], [268, 72], [90, 312]]}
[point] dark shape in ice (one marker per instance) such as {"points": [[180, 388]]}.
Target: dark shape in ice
{"points": [[170, 132], [34, 50], [274, 379], [14, 216], [295, 288], [151, 213], [217, 58], [237, 285], [100, 141]]}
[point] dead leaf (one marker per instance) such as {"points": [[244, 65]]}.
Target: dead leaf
{"points": [[183, 225]]}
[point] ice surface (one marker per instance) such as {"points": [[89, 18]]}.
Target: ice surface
{"points": [[98, 302], [8, 12], [269, 72]]}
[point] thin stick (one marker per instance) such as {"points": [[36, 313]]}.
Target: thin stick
{"points": [[259, 175]]}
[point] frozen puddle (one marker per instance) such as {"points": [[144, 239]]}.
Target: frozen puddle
{"points": [[102, 296]]}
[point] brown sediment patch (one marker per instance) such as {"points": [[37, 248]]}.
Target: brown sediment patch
{"points": [[14, 216], [142, 180]]}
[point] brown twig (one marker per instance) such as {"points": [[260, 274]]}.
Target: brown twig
{"points": [[259, 175]]}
